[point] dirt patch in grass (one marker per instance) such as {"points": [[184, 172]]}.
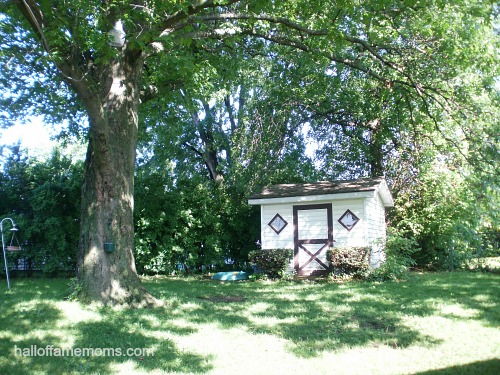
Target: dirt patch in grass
{"points": [[223, 299]]}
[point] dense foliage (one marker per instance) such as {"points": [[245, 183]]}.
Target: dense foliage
{"points": [[43, 198], [399, 257], [194, 227]]}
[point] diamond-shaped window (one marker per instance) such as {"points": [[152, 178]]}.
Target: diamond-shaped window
{"points": [[348, 220], [278, 223]]}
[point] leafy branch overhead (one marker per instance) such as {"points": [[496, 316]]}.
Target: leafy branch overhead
{"points": [[370, 38]]}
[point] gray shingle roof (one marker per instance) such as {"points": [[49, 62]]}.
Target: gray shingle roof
{"points": [[318, 188]]}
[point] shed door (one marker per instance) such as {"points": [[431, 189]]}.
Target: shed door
{"points": [[313, 228]]}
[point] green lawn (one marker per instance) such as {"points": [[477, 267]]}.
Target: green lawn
{"points": [[435, 323]]}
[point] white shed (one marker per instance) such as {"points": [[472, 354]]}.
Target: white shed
{"points": [[311, 218]]}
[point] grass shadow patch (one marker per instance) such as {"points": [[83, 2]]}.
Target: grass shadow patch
{"points": [[102, 340], [490, 366]]}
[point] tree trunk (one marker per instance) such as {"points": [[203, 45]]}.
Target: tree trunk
{"points": [[209, 150], [108, 189], [375, 152], [110, 91]]}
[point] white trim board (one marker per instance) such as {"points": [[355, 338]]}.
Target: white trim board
{"points": [[313, 198]]}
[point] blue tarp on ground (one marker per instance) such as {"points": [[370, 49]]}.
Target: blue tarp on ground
{"points": [[230, 276]]}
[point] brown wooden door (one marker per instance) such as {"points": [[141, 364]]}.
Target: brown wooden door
{"points": [[313, 235]]}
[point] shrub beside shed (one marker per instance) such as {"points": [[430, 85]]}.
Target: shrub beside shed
{"points": [[311, 218]]}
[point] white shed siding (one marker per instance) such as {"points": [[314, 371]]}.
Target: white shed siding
{"points": [[360, 235], [375, 218], [357, 235], [376, 228], [270, 239]]}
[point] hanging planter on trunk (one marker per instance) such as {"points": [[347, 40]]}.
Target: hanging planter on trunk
{"points": [[109, 247]]}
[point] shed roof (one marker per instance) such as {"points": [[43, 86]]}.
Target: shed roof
{"points": [[326, 188]]}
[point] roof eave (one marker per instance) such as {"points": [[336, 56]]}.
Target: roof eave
{"points": [[360, 194], [385, 194]]}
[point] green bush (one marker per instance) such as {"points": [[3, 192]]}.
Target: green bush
{"points": [[399, 250], [391, 269], [271, 262], [349, 260]]}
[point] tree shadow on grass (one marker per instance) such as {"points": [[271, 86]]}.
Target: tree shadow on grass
{"points": [[37, 336], [490, 366], [314, 318], [311, 317], [132, 338], [479, 292], [342, 321], [27, 311]]}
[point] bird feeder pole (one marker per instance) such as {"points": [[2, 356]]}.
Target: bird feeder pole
{"points": [[3, 247]]}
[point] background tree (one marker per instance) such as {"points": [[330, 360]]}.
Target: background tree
{"points": [[214, 148], [437, 154]]}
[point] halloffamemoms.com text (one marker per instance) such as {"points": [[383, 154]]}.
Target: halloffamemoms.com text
{"points": [[52, 351]]}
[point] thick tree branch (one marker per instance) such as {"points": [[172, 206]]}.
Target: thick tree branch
{"points": [[229, 109], [35, 17], [300, 44], [193, 148], [251, 17], [170, 22], [69, 68]]}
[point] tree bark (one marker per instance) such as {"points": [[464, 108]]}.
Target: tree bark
{"points": [[375, 149], [209, 150], [108, 189]]}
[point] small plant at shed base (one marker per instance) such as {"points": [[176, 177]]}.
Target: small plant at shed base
{"points": [[349, 261], [271, 262], [398, 250]]}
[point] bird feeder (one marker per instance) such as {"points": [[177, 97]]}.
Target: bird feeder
{"points": [[14, 242]]}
